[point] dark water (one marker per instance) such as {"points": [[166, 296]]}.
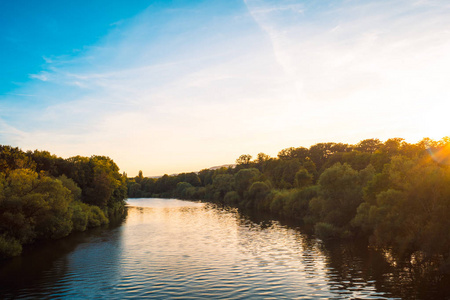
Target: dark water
{"points": [[185, 250]]}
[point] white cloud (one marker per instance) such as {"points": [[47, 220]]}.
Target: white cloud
{"points": [[43, 76]]}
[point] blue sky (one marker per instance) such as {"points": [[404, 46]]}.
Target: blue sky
{"points": [[173, 86]]}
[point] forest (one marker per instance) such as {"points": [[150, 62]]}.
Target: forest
{"points": [[43, 196], [394, 194]]}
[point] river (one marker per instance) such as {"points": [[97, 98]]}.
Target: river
{"points": [[173, 249]]}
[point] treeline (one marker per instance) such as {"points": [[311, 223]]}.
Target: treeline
{"points": [[395, 193], [43, 196]]}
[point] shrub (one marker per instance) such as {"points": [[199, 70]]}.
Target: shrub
{"points": [[258, 190], [79, 216], [231, 198], [96, 217]]}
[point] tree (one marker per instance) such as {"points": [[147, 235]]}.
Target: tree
{"points": [[36, 205], [290, 168], [368, 145], [223, 184], [303, 178], [140, 177], [193, 179], [244, 178], [101, 190], [340, 193], [244, 159], [180, 190], [14, 158], [261, 158], [33, 206], [258, 190], [71, 186], [320, 152], [300, 153], [205, 176]]}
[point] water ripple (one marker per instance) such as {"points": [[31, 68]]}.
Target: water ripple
{"points": [[170, 249]]}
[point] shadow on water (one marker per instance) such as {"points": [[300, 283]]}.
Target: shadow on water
{"points": [[41, 268], [352, 264], [400, 278]]}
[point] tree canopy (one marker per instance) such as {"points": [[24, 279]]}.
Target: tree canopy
{"points": [[43, 196]]}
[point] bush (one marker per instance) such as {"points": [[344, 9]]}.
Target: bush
{"points": [[258, 191], [180, 190], [79, 216], [297, 205], [244, 178], [231, 198], [278, 202], [96, 217], [303, 178]]}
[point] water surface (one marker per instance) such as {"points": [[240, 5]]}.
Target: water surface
{"points": [[167, 248]]}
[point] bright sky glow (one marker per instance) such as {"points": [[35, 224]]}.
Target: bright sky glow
{"points": [[178, 87]]}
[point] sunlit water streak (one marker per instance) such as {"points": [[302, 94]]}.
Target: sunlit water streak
{"points": [[176, 249]]}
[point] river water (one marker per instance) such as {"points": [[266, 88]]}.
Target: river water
{"points": [[172, 249]]}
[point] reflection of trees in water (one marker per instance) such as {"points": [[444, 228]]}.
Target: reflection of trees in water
{"points": [[417, 276], [36, 266], [43, 268], [354, 266]]}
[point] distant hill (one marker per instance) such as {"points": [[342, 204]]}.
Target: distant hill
{"points": [[223, 166]]}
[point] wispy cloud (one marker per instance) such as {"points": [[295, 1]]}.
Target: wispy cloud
{"points": [[352, 46], [178, 90], [43, 76], [384, 60]]}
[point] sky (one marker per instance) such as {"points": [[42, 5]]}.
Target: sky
{"points": [[177, 86]]}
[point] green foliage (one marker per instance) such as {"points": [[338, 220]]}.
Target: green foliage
{"points": [[278, 201], [80, 213], [71, 186], [135, 190], [244, 178], [140, 177], [9, 247], [181, 190], [300, 153], [222, 184], [297, 206], [231, 198], [406, 207], [244, 159], [340, 194], [261, 158], [258, 191], [14, 158], [369, 145], [205, 177], [303, 178], [282, 172], [41, 195], [96, 217]]}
